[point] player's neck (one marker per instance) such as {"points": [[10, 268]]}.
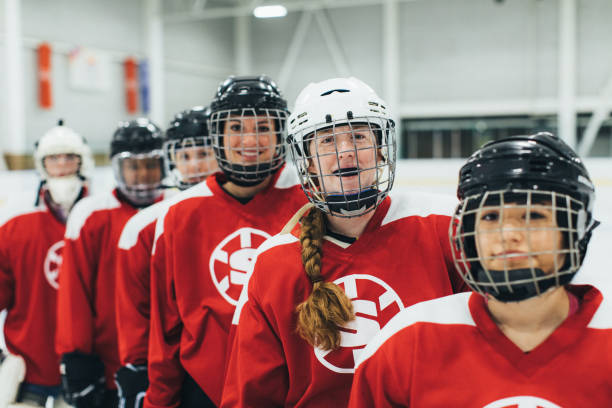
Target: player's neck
{"points": [[349, 227], [243, 191], [529, 322]]}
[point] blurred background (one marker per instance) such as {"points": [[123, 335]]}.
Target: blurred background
{"points": [[457, 73]]}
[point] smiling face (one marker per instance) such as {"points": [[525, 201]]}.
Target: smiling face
{"points": [[250, 140], [519, 236], [345, 158]]}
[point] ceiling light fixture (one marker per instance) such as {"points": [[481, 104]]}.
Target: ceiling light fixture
{"points": [[270, 11]]}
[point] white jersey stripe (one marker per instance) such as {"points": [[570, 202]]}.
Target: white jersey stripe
{"points": [[451, 309], [418, 204], [84, 208], [199, 190]]}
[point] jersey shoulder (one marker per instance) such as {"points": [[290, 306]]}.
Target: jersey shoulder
{"points": [[418, 204], [85, 208], [287, 178], [18, 214], [179, 202], [139, 221], [602, 319], [452, 309]]}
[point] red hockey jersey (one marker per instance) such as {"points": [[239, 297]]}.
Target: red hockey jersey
{"points": [[402, 257], [204, 245], [86, 303], [449, 353], [31, 246], [133, 300]]}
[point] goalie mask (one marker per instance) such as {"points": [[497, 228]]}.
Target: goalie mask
{"points": [[342, 142], [189, 154], [247, 124], [137, 159], [64, 162], [524, 219]]}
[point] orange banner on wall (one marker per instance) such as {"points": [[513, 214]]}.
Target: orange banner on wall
{"points": [[131, 85], [45, 99]]}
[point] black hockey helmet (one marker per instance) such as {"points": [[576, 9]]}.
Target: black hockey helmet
{"points": [[256, 92], [242, 97], [190, 123], [136, 136], [527, 170], [188, 130]]}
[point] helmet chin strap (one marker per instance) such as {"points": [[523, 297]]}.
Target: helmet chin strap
{"points": [[65, 190], [515, 285], [251, 175], [351, 205]]}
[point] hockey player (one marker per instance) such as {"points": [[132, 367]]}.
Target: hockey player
{"points": [[323, 288], [206, 240], [31, 245], [189, 159], [87, 335], [526, 336]]}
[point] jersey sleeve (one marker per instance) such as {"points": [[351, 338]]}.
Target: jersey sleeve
{"points": [[132, 298], [257, 374], [383, 380], [442, 227], [7, 282], [166, 373], [75, 303]]}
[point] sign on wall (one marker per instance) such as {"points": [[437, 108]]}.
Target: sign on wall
{"points": [[89, 69]]}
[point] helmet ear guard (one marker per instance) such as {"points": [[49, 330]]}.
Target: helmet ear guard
{"points": [[525, 171]]}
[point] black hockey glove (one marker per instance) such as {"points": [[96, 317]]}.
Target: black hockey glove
{"points": [[82, 380], [132, 383]]}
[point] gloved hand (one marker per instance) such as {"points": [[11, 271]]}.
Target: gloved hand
{"points": [[132, 383], [82, 380]]}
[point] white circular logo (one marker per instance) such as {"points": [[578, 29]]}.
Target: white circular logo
{"points": [[522, 402], [232, 259], [374, 304], [52, 264]]}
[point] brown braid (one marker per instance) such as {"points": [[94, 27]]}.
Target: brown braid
{"points": [[327, 307]]}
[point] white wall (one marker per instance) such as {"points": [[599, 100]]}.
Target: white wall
{"points": [[453, 52], [115, 26], [456, 56]]}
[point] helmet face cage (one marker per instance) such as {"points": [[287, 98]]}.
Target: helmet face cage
{"points": [[518, 283], [248, 142], [335, 183], [140, 193], [195, 155]]}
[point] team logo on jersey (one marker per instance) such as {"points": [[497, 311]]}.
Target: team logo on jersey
{"points": [[522, 402], [232, 259], [374, 304], [52, 264]]}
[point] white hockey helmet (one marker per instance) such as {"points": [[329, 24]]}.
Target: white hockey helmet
{"points": [[61, 139], [327, 105]]}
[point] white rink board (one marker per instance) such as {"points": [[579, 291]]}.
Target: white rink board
{"points": [[436, 176]]}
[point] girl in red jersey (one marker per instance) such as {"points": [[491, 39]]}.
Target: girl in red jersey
{"points": [[86, 335], [322, 289], [31, 246], [189, 159], [527, 337], [206, 240]]}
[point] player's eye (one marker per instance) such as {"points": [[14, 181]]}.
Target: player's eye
{"points": [[490, 216], [236, 127]]}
